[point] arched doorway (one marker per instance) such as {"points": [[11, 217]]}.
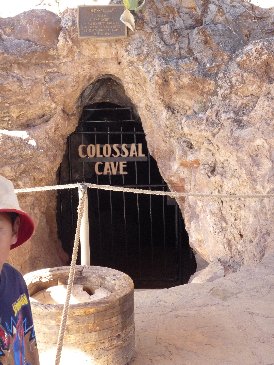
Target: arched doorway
{"points": [[141, 235]]}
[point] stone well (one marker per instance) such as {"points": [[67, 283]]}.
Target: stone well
{"points": [[100, 325]]}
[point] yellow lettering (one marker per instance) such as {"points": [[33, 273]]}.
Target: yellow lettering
{"points": [[21, 301], [97, 168], [91, 150], [133, 150], [107, 169], [114, 168], [81, 152], [125, 150], [122, 166], [116, 149], [98, 153], [106, 150], [140, 150]]}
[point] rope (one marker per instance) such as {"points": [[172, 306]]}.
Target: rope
{"points": [[175, 194], [82, 188], [63, 324], [47, 188], [145, 192]]}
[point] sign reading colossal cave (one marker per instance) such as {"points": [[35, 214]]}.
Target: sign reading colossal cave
{"points": [[109, 147], [111, 159]]}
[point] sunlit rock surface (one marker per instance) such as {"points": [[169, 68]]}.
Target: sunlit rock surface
{"points": [[229, 321], [200, 75]]}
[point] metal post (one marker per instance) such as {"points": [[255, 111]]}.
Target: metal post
{"points": [[84, 228]]}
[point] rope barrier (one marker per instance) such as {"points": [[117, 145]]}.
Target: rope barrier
{"points": [[145, 192], [63, 324], [82, 190]]}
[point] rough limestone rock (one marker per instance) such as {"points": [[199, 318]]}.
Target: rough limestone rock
{"points": [[200, 75], [40, 27], [213, 271]]}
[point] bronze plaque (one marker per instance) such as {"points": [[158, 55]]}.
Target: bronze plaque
{"points": [[101, 22]]}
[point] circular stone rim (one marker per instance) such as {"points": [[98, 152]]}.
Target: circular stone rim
{"points": [[123, 288]]}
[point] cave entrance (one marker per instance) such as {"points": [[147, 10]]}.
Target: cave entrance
{"points": [[141, 235]]}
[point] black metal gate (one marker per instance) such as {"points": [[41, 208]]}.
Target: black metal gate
{"points": [[141, 235]]}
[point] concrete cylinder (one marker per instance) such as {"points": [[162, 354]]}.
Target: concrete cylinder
{"points": [[99, 330]]}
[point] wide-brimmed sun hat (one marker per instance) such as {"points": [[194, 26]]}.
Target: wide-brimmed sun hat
{"points": [[9, 203]]}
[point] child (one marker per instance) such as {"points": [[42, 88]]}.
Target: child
{"points": [[17, 337]]}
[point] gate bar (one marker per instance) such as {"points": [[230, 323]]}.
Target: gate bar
{"points": [[84, 228]]}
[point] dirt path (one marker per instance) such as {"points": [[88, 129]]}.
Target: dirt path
{"points": [[226, 322]]}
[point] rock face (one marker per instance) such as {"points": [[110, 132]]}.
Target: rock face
{"points": [[200, 75]]}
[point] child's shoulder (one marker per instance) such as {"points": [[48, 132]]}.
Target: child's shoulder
{"points": [[11, 272]]}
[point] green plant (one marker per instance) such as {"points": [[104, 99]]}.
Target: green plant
{"points": [[134, 4]]}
